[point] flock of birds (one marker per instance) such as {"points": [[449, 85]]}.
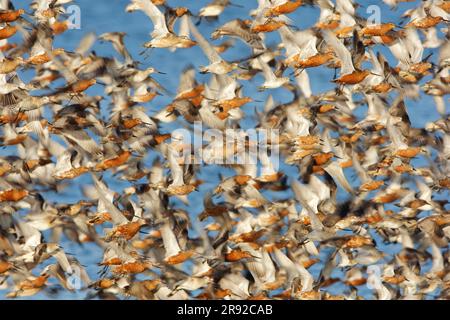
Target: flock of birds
{"points": [[392, 178]]}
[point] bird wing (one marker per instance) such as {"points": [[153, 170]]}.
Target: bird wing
{"points": [[152, 11], [184, 30], [300, 191], [63, 163], [206, 47], [187, 79], [336, 172], [86, 43], [288, 40], [61, 257], [340, 50], [395, 135], [169, 240], [267, 71], [83, 140], [175, 169], [117, 217]]}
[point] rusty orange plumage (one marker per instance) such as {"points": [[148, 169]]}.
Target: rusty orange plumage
{"points": [[126, 231], [237, 255], [372, 185], [180, 257], [59, 27], [314, 61], [268, 26], [13, 194], [5, 266], [8, 16], [285, 8], [37, 283], [353, 78], [425, 23], [131, 268], [114, 162], [7, 32], [377, 30]]}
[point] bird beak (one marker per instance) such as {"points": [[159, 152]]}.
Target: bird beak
{"points": [[215, 35], [235, 5], [137, 155]]}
